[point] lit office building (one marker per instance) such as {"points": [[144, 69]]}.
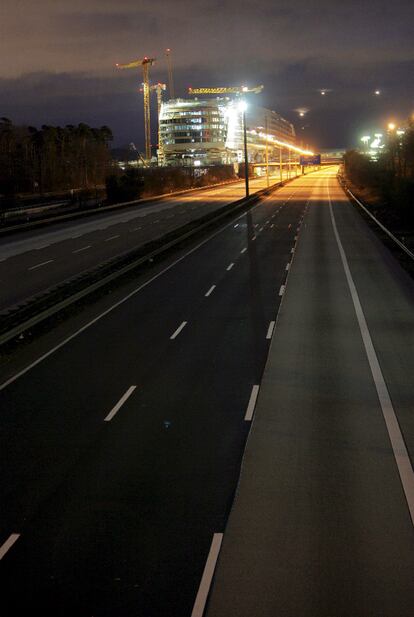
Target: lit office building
{"points": [[210, 132]]}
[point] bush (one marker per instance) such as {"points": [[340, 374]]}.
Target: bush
{"points": [[125, 187]]}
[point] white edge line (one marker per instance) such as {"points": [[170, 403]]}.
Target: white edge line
{"points": [[205, 583], [399, 448], [119, 404], [4, 548], [177, 332], [210, 291], [270, 330], [252, 403], [122, 300]]}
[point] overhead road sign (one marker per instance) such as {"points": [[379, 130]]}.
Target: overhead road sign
{"points": [[315, 159]]}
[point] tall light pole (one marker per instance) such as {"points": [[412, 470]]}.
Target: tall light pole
{"points": [[267, 154], [242, 108]]}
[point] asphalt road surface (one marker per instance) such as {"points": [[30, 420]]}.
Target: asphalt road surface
{"points": [[31, 261], [120, 451], [322, 525]]}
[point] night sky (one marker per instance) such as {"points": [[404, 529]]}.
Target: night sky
{"points": [[57, 60]]}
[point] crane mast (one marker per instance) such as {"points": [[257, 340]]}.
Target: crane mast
{"points": [[159, 88], [145, 63], [170, 73]]}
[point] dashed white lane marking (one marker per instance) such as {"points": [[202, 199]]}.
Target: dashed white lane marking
{"points": [[282, 290], [236, 225], [119, 404], [292, 250], [253, 238], [229, 267], [49, 261], [8, 544], [261, 229], [205, 583], [252, 403], [210, 291], [296, 238], [243, 250], [137, 228], [114, 306], [84, 248], [297, 229], [177, 332], [256, 225], [271, 225], [396, 438], [270, 330], [111, 238], [287, 266]]}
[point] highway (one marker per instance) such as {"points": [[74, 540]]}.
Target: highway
{"points": [[40, 258], [114, 513], [121, 446]]}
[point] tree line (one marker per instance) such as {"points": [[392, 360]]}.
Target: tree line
{"points": [[391, 176], [52, 158]]}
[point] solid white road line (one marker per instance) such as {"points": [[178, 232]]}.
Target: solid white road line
{"points": [[177, 332], [84, 248], [8, 544], [270, 330], [396, 438], [252, 404], [111, 238], [119, 404], [243, 251], [205, 584], [41, 264], [229, 267], [282, 290], [210, 291]]}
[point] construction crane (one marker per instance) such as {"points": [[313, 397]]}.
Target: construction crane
{"points": [[170, 72], [159, 88], [226, 90], [145, 63]]}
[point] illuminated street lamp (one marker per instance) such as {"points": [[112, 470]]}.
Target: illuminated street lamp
{"points": [[377, 92], [242, 108], [391, 126]]}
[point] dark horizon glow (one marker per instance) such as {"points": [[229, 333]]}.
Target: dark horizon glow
{"points": [[57, 60]]}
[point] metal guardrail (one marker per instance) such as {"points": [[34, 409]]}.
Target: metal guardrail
{"points": [[33, 311], [401, 245]]}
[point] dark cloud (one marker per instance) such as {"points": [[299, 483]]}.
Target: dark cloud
{"points": [[57, 58]]}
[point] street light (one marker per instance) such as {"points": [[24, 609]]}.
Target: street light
{"points": [[391, 126], [242, 108]]}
